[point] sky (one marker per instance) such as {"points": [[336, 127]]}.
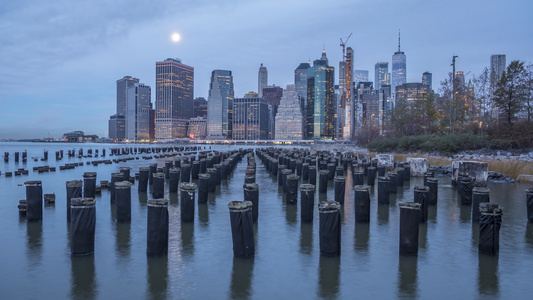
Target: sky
{"points": [[59, 60]]}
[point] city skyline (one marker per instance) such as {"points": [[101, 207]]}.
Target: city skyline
{"points": [[72, 58]]}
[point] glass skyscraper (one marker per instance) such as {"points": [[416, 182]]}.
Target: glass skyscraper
{"points": [[399, 68], [138, 107], [497, 66], [300, 83], [427, 79], [220, 105], [360, 76], [174, 98], [122, 87], [381, 75], [321, 106]]}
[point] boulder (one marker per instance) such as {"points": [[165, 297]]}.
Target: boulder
{"points": [[419, 166], [386, 160]]}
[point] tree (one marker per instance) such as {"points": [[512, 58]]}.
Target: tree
{"points": [[529, 99], [511, 92], [455, 106], [415, 117]]}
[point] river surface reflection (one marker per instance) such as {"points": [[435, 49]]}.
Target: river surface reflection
{"points": [[36, 260]]}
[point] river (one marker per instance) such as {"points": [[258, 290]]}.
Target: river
{"points": [[37, 264]]}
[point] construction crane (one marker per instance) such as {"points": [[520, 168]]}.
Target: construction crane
{"points": [[343, 45]]}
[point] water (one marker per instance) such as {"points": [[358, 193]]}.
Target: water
{"points": [[36, 260]]}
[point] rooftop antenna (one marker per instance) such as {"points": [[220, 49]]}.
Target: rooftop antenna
{"points": [[398, 40]]}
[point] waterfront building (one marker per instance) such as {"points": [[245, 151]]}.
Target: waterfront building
{"points": [[321, 106], [381, 74], [399, 68], [220, 105], [262, 79], [174, 99], [289, 119], [197, 129], [117, 125], [122, 88], [138, 107], [427, 79], [250, 118]]}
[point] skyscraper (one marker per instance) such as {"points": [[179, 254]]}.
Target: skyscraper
{"points": [[427, 79], [289, 117], [349, 107], [381, 75], [250, 118], [174, 98], [262, 80], [220, 105], [300, 82], [138, 106], [116, 130], [117, 127], [412, 91], [399, 68], [122, 87], [360, 76], [200, 107], [321, 110], [273, 95], [497, 66]]}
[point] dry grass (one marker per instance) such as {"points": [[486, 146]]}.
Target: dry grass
{"points": [[510, 168]]}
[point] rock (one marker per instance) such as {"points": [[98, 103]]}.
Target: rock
{"points": [[475, 169], [419, 166], [525, 178], [386, 160]]}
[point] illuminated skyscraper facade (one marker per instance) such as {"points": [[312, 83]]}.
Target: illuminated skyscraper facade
{"points": [[321, 106], [381, 75], [412, 91], [220, 105], [399, 68], [289, 117], [360, 76], [174, 99], [250, 118]]}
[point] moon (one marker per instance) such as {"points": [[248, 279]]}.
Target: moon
{"points": [[176, 37]]}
